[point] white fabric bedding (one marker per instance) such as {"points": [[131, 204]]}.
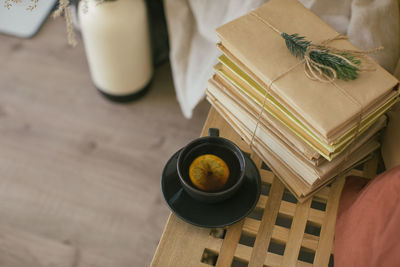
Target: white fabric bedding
{"points": [[192, 24]]}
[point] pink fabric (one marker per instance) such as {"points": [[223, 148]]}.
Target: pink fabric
{"points": [[368, 222]]}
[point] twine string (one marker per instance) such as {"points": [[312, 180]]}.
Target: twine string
{"points": [[267, 92], [315, 71], [355, 135], [265, 22]]}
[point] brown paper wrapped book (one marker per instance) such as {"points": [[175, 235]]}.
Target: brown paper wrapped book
{"points": [[328, 112], [298, 173], [247, 86], [307, 131]]}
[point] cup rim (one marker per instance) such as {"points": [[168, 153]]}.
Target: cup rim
{"points": [[210, 194]]}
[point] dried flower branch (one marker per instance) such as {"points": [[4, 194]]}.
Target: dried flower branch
{"points": [[61, 9], [9, 3], [33, 5]]}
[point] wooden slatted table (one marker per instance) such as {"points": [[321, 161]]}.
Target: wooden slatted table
{"points": [[279, 232]]}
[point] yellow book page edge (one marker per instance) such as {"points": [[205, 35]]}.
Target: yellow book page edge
{"points": [[336, 148], [339, 148]]}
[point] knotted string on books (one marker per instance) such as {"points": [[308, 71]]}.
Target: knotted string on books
{"points": [[319, 72]]}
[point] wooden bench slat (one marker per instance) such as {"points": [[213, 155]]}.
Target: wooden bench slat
{"points": [[268, 221], [296, 234], [229, 244], [328, 227], [280, 234]]}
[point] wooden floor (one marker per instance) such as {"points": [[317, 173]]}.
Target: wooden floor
{"points": [[79, 176]]}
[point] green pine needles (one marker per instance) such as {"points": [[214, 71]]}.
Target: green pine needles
{"points": [[296, 44], [324, 60]]}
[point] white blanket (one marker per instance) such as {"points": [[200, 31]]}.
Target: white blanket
{"points": [[192, 24]]}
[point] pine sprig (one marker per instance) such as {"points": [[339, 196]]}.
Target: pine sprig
{"points": [[296, 44], [344, 64]]}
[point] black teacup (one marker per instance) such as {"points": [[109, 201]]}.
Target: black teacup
{"points": [[224, 149]]}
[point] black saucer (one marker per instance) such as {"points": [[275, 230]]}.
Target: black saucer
{"points": [[210, 215]]}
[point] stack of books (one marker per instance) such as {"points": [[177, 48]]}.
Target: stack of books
{"points": [[308, 132]]}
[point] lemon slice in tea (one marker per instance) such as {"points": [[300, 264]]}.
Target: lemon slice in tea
{"points": [[209, 172]]}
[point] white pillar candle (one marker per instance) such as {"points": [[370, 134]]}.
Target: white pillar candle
{"points": [[117, 45]]}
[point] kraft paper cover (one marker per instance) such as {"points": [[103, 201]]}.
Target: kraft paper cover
{"points": [[328, 151], [301, 189], [322, 106], [286, 151]]}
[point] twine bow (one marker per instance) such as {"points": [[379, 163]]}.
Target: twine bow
{"points": [[322, 63], [316, 71]]}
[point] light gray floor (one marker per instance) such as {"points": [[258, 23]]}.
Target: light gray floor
{"points": [[79, 176]]}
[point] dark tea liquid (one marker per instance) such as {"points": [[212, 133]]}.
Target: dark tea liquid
{"points": [[229, 156]]}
